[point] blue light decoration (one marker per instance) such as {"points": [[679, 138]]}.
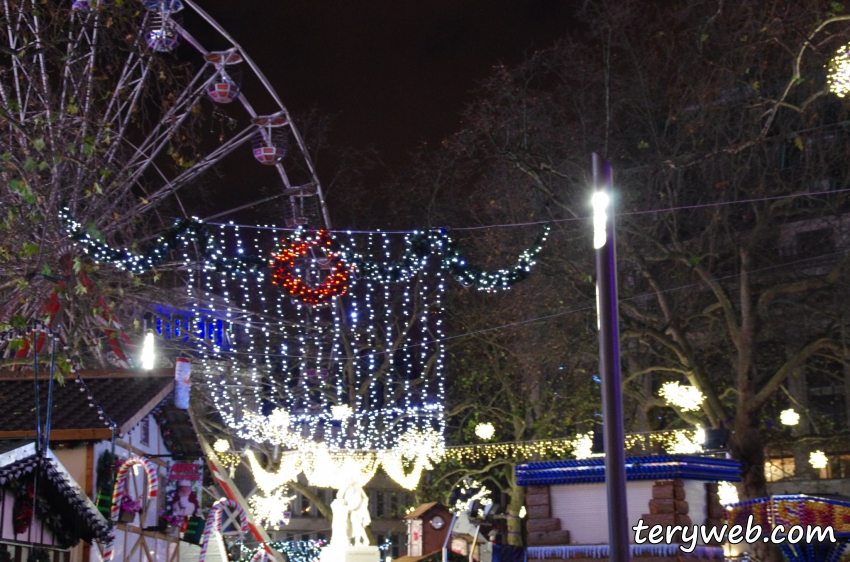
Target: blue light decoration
{"points": [[206, 326], [657, 467]]}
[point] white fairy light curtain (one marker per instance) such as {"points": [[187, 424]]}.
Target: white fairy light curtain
{"points": [[357, 367]]}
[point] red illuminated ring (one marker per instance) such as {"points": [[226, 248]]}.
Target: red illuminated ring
{"points": [[334, 286]]}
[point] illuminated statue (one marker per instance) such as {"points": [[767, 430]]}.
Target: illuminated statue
{"points": [[350, 517], [357, 503], [340, 533]]}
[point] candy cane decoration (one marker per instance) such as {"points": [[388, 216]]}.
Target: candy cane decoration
{"points": [[260, 556], [214, 522], [121, 482]]}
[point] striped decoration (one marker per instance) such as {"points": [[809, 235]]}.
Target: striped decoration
{"points": [[260, 556], [121, 482], [214, 522]]}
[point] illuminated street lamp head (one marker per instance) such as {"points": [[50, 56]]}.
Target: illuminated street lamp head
{"points": [[147, 352], [600, 219]]}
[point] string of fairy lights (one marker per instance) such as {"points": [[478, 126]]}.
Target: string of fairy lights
{"points": [[356, 373], [311, 359]]}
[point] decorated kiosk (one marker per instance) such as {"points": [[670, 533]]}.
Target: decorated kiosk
{"points": [[568, 514]]}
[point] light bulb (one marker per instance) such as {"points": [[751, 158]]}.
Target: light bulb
{"points": [[147, 352], [600, 219]]}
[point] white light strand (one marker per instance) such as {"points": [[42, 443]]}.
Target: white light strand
{"points": [[366, 319]]}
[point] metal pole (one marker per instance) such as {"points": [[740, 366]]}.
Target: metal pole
{"points": [[50, 393], [609, 361], [449, 537], [37, 396]]}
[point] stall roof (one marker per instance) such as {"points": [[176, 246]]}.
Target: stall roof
{"points": [[65, 498], [125, 396], [659, 467]]}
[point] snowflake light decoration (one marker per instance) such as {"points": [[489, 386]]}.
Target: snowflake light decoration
{"points": [[485, 431], [221, 446], [583, 446], [482, 496], [272, 510], [686, 398], [728, 493], [341, 412], [818, 460], [686, 442], [789, 417]]}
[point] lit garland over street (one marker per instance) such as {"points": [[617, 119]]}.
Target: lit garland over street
{"points": [[313, 354], [419, 245]]}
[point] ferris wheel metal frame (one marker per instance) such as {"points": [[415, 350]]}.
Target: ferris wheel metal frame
{"points": [[158, 30]]}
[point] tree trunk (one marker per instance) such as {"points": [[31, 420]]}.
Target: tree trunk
{"points": [[748, 449], [799, 390], [514, 507]]}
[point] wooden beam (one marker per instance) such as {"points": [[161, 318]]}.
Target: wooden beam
{"points": [[147, 533], [63, 434], [137, 451]]}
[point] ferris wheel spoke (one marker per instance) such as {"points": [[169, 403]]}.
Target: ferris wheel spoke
{"points": [[189, 38], [161, 133], [115, 108], [181, 180], [120, 120], [88, 75], [77, 73]]}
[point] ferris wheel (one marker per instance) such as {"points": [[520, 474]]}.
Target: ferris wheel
{"points": [[120, 89], [111, 108]]}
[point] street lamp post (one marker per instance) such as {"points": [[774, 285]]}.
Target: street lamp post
{"points": [[609, 360]]}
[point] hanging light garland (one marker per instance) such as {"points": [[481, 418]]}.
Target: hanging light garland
{"points": [[672, 442], [183, 233], [419, 246], [422, 244], [175, 237]]}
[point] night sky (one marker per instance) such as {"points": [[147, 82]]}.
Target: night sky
{"points": [[394, 74]]}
